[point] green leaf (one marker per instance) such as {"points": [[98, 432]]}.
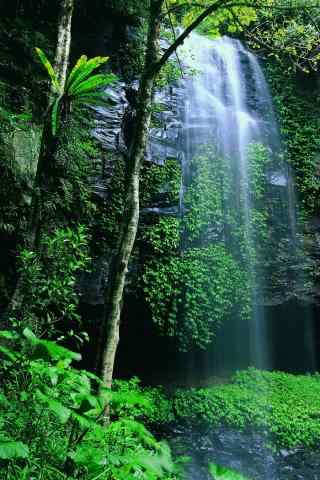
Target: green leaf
{"points": [[62, 413], [47, 65], [10, 450], [76, 69], [91, 98], [82, 71], [9, 353], [29, 335], [8, 335], [47, 349], [93, 83], [89, 455], [3, 401]]}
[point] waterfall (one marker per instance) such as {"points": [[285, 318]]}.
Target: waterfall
{"points": [[227, 105]]}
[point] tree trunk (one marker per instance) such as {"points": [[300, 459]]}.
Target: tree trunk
{"points": [[64, 41], [131, 213], [49, 143], [47, 151]]}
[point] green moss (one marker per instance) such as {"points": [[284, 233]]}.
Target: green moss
{"points": [[284, 407], [298, 114]]}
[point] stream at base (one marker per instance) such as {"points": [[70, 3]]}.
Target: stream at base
{"points": [[245, 452]]}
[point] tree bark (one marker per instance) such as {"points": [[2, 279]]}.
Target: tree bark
{"points": [[131, 213], [64, 41]]}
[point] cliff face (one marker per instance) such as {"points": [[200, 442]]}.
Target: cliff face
{"points": [[112, 32]]}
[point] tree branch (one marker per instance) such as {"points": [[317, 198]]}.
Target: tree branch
{"points": [[179, 41], [174, 35], [183, 5]]}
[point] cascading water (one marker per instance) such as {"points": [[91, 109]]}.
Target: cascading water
{"points": [[228, 106]]}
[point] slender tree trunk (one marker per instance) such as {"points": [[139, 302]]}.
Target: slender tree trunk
{"points": [[131, 214], [45, 166], [47, 152], [64, 41]]}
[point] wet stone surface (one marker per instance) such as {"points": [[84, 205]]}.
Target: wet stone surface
{"points": [[244, 452]]}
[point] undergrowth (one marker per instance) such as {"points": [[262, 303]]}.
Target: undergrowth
{"points": [[283, 407]]}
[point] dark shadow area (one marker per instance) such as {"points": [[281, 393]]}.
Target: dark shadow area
{"points": [[293, 338]]}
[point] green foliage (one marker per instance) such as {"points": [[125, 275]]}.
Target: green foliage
{"points": [[69, 198], [182, 301], [49, 277], [207, 194], [164, 236], [81, 87], [129, 7], [19, 147], [288, 35], [154, 406], [231, 19], [24, 84], [106, 218], [298, 115], [282, 406], [51, 421], [161, 178], [222, 473]]}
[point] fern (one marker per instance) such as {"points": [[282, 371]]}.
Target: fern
{"points": [[65, 410], [75, 71], [93, 83], [83, 71], [47, 65], [91, 98], [81, 88]]}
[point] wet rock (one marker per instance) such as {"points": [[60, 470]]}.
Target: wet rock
{"points": [[163, 211], [92, 284], [245, 452], [109, 119]]}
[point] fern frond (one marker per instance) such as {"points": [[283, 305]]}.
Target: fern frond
{"points": [[84, 71], [55, 116], [93, 83], [75, 71], [99, 94], [92, 98], [49, 68]]}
